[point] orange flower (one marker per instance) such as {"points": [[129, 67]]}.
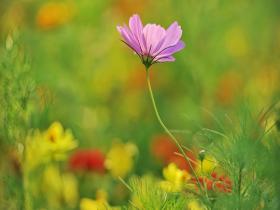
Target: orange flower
{"points": [[53, 14], [127, 7], [228, 88], [164, 149], [137, 79]]}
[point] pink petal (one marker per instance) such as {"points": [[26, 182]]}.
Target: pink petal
{"points": [[173, 35], [136, 28], [171, 50], [165, 59], [129, 38], [153, 35]]}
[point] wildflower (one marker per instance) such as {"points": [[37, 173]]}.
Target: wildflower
{"points": [[59, 187], [126, 7], [53, 14], [90, 204], [35, 151], [152, 43], [215, 183], [100, 203], [88, 160], [59, 141], [181, 162], [195, 205], [236, 42], [42, 147], [206, 165], [228, 88], [137, 79], [175, 178], [164, 149], [223, 184], [119, 160], [265, 83]]}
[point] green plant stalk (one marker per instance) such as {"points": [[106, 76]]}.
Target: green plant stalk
{"points": [[27, 198], [239, 185], [167, 130], [204, 183], [26, 184]]}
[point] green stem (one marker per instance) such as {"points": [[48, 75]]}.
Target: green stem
{"points": [[239, 185], [167, 131], [27, 198], [25, 179]]}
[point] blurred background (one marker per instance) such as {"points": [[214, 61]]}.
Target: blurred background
{"points": [[91, 83]]}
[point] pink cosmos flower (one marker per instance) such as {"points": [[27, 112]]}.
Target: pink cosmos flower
{"points": [[152, 43]]}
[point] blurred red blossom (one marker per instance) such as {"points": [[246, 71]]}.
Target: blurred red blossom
{"points": [[165, 150], [215, 183], [228, 88], [87, 160], [137, 79]]}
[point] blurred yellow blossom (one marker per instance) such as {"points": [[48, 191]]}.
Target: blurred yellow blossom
{"points": [[119, 160], [263, 85], [89, 204], [59, 141], [53, 144], [174, 178], [70, 189], [236, 42], [208, 164], [59, 188], [194, 205], [100, 203], [54, 14], [35, 151]]}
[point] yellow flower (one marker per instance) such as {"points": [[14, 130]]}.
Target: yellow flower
{"points": [[100, 203], [175, 178], [194, 205], [53, 14], [264, 84], [52, 144], [209, 163], [119, 160], [89, 204], [59, 141], [35, 151], [57, 187], [70, 189], [236, 42]]}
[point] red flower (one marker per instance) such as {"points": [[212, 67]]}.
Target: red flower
{"points": [[215, 183], [164, 149], [214, 175], [87, 160], [181, 162]]}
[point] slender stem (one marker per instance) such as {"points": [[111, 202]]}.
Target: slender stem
{"points": [[25, 179], [239, 185], [27, 198], [168, 132]]}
